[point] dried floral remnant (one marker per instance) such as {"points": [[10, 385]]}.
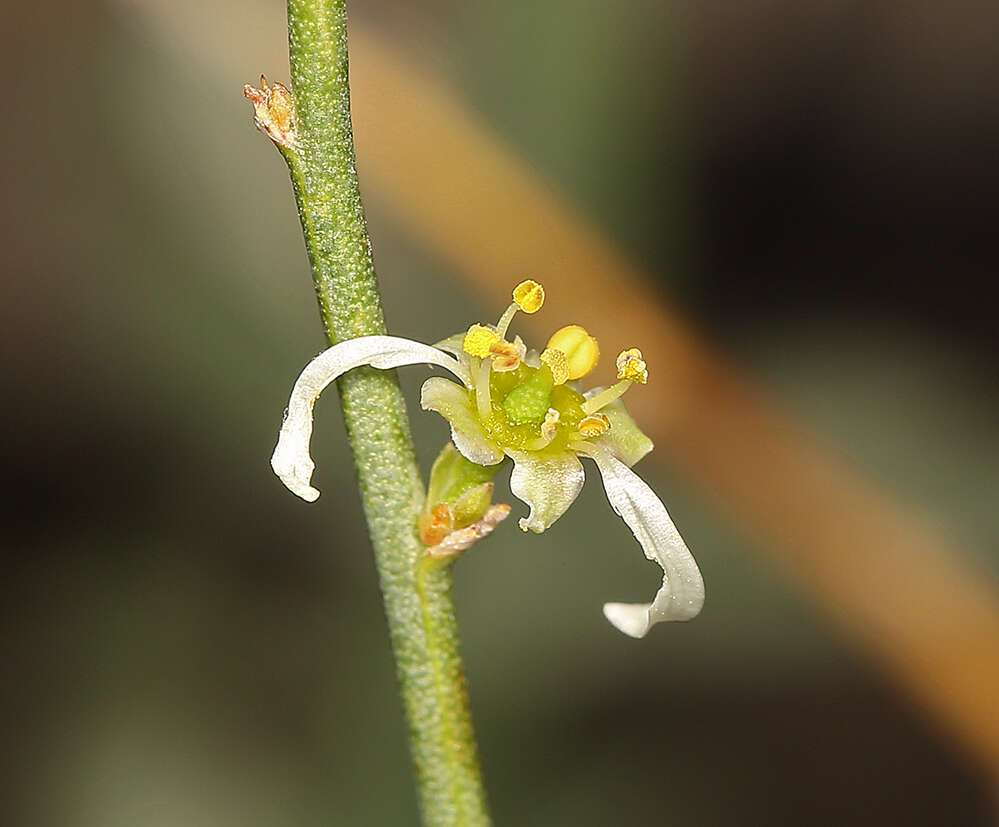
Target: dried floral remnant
{"points": [[273, 112], [436, 524], [464, 538]]}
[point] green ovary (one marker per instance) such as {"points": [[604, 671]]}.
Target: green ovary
{"points": [[521, 398], [528, 402]]}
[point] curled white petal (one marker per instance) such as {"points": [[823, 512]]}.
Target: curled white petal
{"points": [[291, 460], [682, 593], [548, 483], [455, 404]]}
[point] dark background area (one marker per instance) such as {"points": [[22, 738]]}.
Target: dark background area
{"points": [[184, 643], [871, 160]]}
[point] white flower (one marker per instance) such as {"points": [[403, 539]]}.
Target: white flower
{"points": [[512, 403]]}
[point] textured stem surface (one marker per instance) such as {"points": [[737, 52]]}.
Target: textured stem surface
{"points": [[417, 596]]}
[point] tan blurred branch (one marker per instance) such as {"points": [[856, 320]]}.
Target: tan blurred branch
{"points": [[878, 568]]}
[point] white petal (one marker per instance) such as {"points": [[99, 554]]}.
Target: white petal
{"points": [[291, 460], [455, 404], [682, 593], [548, 483]]}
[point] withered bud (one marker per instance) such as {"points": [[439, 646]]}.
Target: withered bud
{"points": [[273, 112], [436, 524], [458, 541]]}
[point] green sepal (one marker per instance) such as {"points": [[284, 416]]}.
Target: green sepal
{"points": [[471, 505], [464, 486], [624, 439]]}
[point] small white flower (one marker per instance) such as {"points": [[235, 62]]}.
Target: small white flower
{"points": [[511, 403]]}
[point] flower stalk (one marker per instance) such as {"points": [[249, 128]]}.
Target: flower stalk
{"points": [[311, 127]]}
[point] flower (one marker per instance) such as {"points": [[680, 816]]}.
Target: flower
{"points": [[511, 402]]}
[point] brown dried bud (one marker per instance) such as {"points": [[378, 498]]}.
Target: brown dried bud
{"points": [[436, 524], [458, 541], [273, 112]]}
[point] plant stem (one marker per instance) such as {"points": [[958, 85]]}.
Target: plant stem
{"points": [[417, 593]]}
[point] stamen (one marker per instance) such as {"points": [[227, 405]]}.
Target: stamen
{"points": [[504, 323], [507, 355], [631, 365], [604, 398], [559, 364], [594, 425], [478, 339], [527, 296], [580, 349], [548, 430], [483, 400]]}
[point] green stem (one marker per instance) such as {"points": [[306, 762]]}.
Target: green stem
{"points": [[417, 594], [458, 785]]}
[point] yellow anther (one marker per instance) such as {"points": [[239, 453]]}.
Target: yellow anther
{"points": [[550, 425], [478, 340], [580, 348], [529, 296], [594, 425], [631, 366], [557, 363], [507, 355]]}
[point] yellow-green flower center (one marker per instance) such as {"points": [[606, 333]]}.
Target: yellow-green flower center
{"points": [[521, 399], [528, 402]]}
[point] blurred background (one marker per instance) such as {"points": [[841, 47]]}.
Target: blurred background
{"points": [[811, 185]]}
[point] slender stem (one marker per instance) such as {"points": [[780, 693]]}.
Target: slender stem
{"points": [[459, 788], [417, 596]]}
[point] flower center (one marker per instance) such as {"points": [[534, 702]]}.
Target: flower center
{"points": [[521, 401], [530, 408], [528, 402]]}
